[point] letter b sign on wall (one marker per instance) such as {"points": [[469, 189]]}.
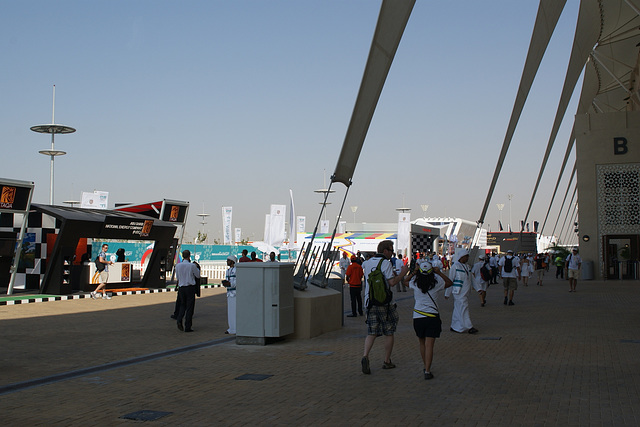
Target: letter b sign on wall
{"points": [[620, 146]]}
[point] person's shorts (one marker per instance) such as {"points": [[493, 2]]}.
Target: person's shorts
{"points": [[104, 276], [382, 320], [427, 327], [510, 283], [540, 273], [573, 274]]}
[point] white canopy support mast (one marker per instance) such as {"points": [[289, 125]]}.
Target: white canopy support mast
{"points": [[392, 20], [546, 20]]}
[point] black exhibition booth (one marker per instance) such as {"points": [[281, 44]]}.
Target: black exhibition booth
{"points": [[100, 225]]}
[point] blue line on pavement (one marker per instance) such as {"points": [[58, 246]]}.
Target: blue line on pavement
{"points": [[12, 388]]}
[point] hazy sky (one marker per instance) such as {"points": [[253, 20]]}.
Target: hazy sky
{"points": [[233, 103]]}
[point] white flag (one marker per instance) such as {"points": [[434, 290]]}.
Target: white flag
{"points": [[324, 226], [293, 237], [238, 235], [404, 232], [302, 223], [227, 212], [267, 228], [276, 228], [342, 227]]}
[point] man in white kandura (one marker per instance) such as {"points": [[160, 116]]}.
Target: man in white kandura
{"points": [[460, 274]]}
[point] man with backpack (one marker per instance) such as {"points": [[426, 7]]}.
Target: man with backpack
{"points": [[382, 316], [510, 273], [102, 265]]}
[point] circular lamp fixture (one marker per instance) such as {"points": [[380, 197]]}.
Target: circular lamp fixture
{"points": [[585, 238]]}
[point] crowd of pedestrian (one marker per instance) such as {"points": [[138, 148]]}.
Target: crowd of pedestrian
{"points": [[424, 275]]}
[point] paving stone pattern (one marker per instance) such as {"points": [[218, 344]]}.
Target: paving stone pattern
{"points": [[554, 359]]}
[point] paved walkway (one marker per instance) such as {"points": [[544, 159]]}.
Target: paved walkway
{"points": [[555, 358]]}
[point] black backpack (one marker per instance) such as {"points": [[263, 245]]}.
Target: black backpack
{"points": [[99, 265], [508, 264], [485, 273]]}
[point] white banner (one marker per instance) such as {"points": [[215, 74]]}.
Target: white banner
{"points": [[95, 200], [324, 226], [276, 228], [238, 235], [404, 232], [267, 228], [227, 212], [292, 222], [342, 227], [301, 223]]}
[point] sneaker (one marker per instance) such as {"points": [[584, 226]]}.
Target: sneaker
{"points": [[106, 296], [505, 300], [473, 331], [511, 303], [93, 295], [427, 375], [365, 365], [388, 365]]}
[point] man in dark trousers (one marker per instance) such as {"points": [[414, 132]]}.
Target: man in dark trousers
{"points": [[188, 277], [354, 275]]}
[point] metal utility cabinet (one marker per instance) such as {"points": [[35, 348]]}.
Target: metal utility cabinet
{"points": [[264, 301]]}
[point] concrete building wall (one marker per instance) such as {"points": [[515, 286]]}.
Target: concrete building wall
{"points": [[608, 174]]}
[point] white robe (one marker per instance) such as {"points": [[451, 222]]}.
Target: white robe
{"points": [[461, 276], [231, 300], [478, 283]]}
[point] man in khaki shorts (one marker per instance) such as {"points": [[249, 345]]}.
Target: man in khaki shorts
{"points": [[104, 274], [573, 263], [510, 273]]}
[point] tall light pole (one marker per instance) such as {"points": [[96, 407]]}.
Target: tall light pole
{"points": [[203, 216], [500, 207], [403, 209], [354, 209], [324, 191], [52, 152], [424, 210], [510, 196], [72, 203]]}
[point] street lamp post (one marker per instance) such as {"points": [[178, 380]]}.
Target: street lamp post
{"points": [[324, 191], [500, 207], [510, 196], [403, 209], [52, 129], [203, 216], [424, 210], [72, 203], [354, 209]]}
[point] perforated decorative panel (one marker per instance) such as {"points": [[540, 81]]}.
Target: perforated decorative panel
{"points": [[619, 198]]}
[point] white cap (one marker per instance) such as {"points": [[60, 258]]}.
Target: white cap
{"points": [[424, 265], [232, 258], [462, 253]]}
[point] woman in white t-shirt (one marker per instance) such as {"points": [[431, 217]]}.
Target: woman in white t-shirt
{"points": [[428, 284]]}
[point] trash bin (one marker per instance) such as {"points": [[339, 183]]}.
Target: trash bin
{"points": [[587, 270]]}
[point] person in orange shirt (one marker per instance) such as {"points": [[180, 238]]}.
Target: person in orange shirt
{"points": [[354, 275]]}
